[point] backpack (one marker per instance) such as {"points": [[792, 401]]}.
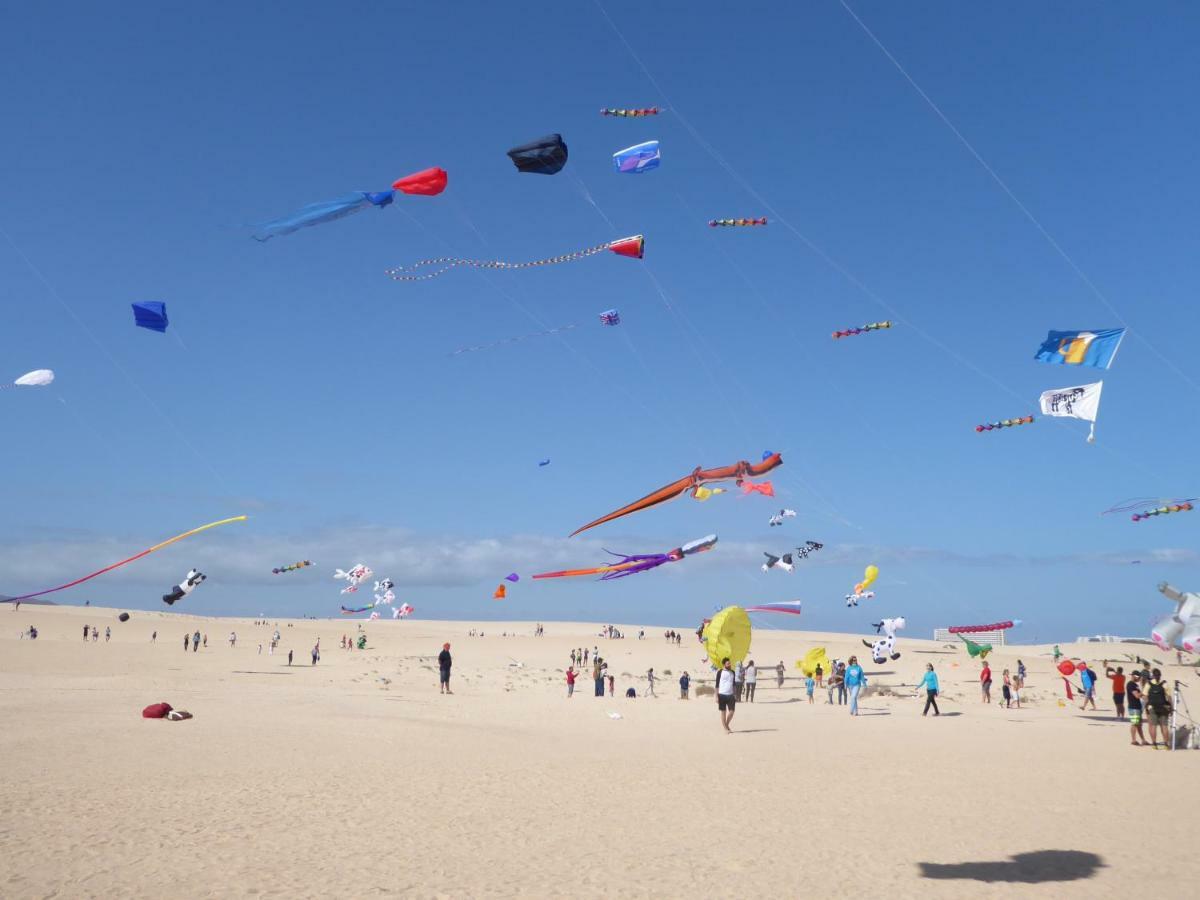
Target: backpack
{"points": [[1156, 696]]}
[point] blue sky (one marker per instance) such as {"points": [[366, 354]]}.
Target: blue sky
{"points": [[300, 385]]}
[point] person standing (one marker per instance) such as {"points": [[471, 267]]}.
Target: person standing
{"points": [[1021, 671], [1006, 689], [751, 680], [444, 663], [1088, 678], [570, 681], [196, 641], [650, 683], [726, 694], [95, 634], [85, 632], [107, 633], [289, 657], [985, 682], [186, 640], [1158, 709], [820, 674], [232, 638], [1118, 687], [684, 682], [854, 683], [740, 676], [810, 685], [1133, 694], [779, 670], [153, 636], [930, 683], [205, 641], [612, 685], [841, 684], [572, 659], [315, 653]]}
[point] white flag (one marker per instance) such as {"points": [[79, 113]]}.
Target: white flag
{"points": [[1081, 402]]}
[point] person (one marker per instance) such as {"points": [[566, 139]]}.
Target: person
{"points": [[289, 657], [572, 658], [205, 641], [985, 682], [187, 639], [571, 681], [841, 684], [779, 670], [153, 636], [107, 633], [612, 682], [444, 663], [1018, 683], [1057, 653], [1118, 687], [751, 680], [650, 683], [1006, 690], [1133, 694], [1088, 679], [95, 634], [726, 694], [585, 655], [740, 676], [232, 638], [195, 641], [260, 648], [1021, 671], [854, 682], [1158, 709], [820, 673], [684, 681], [85, 632], [810, 685], [929, 681], [316, 653]]}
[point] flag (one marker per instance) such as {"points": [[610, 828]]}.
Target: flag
{"points": [[1081, 348], [1081, 402]]}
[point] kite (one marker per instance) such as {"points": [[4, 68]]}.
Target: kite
{"points": [[633, 247], [632, 565], [1081, 348], [356, 574], [1152, 506], [767, 454], [1181, 629], [869, 576], [501, 592], [117, 565], [885, 648], [791, 607], [191, 581], [402, 611], [388, 594], [730, 223], [638, 158], [980, 650], [975, 629], [512, 576], [778, 562], [123, 617], [347, 611], [870, 326], [1162, 511], [852, 599], [373, 616], [545, 156], [1081, 402], [630, 113], [36, 378], [727, 636], [427, 182], [703, 493], [1005, 423], [150, 314], [543, 462], [778, 518], [1066, 668], [814, 658], [762, 487], [809, 547], [739, 471], [610, 317], [292, 568]]}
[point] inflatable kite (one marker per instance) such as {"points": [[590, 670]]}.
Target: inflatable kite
{"points": [[766, 488], [1181, 629], [347, 611], [809, 547], [980, 650], [632, 565], [151, 314], [739, 472], [543, 462], [388, 595], [356, 574], [727, 635], [500, 593], [1005, 423], [117, 565], [813, 658], [1145, 507], [36, 378], [869, 576], [303, 564], [428, 183], [732, 223], [191, 581], [638, 158], [1066, 668], [402, 611], [630, 113], [975, 629], [123, 617], [633, 247], [610, 317], [852, 599], [871, 326], [778, 518], [791, 607], [778, 562], [545, 156], [885, 648], [512, 576]]}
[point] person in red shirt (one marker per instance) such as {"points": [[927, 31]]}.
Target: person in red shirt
{"points": [[985, 682], [1118, 685], [570, 681]]}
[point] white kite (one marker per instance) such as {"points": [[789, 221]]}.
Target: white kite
{"points": [[388, 594], [36, 378], [885, 647], [1081, 402], [357, 574], [402, 611], [779, 562], [778, 518]]}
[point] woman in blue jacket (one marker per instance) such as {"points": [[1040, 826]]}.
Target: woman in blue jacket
{"points": [[854, 682], [930, 683]]}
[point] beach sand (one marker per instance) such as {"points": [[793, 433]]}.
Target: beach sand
{"points": [[356, 778]]}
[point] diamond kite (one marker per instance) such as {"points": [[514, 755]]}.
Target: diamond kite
{"points": [[151, 314], [638, 158]]}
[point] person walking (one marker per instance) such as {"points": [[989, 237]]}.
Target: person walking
{"points": [[854, 683], [740, 676], [726, 694], [232, 638], [444, 663], [684, 681], [289, 657], [195, 641], [570, 681], [779, 670], [1006, 689], [930, 683], [1133, 696], [1118, 687], [841, 684], [650, 683], [985, 682], [107, 633], [187, 639], [153, 636], [751, 680], [95, 634], [1088, 678], [1158, 709]]}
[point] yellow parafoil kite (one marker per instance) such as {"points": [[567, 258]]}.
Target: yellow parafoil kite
{"points": [[728, 635], [700, 492], [813, 658], [869, 577]]}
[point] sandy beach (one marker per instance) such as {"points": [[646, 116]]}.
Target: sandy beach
{"points": [[354, 777]]}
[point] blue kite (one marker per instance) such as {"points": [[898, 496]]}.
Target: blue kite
{"points": [[150, 314], [638, 158]]}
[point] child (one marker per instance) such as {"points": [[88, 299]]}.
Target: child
{"points": [[810, 684], [684, 681], [571, 680], [1016, 690], [1007, 690]]}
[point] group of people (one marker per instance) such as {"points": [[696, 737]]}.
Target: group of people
{"points": [[1011, 689], [673, 637], [1144, 692], [93, 631]]}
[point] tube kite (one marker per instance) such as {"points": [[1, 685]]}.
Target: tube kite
{"points": [[632, 565], [630, 113], [347, 611], [975, 629], [1162, 511], [1145, 507], [117, 565], [694, 482], [791, 607], [36, 378], [633, 247], [608, 317], [1005, 423], [292, 568], [727, 635], [733, 223], [871, 326]]}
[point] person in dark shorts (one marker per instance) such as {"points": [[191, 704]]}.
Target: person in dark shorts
{"points": [[1133, 698], [1118, 687], [444, 670], [726, 694]]}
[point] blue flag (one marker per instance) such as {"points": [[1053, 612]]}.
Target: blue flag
{"points": [[1081, 348]]}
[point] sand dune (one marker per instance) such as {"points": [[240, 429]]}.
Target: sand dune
{"points": [[355, 778]]}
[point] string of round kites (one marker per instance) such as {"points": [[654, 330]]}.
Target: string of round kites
{"points": [[871, 326], [1005, 423], [292, 568]]}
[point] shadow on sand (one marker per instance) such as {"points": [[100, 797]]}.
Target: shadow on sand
{"points": [[1024, 868]]}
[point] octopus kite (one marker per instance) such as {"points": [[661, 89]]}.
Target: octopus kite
{"points": [[1005, 423], [632, 247], [693, 483], [734, 223], [871, 326], [632, 565]]}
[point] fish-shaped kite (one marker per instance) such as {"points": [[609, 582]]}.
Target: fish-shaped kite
{"points": [[632, 565], [694, 483]]}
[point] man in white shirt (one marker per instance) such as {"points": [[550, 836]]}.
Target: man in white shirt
{"points": [[726, 694], [751, 680]]}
